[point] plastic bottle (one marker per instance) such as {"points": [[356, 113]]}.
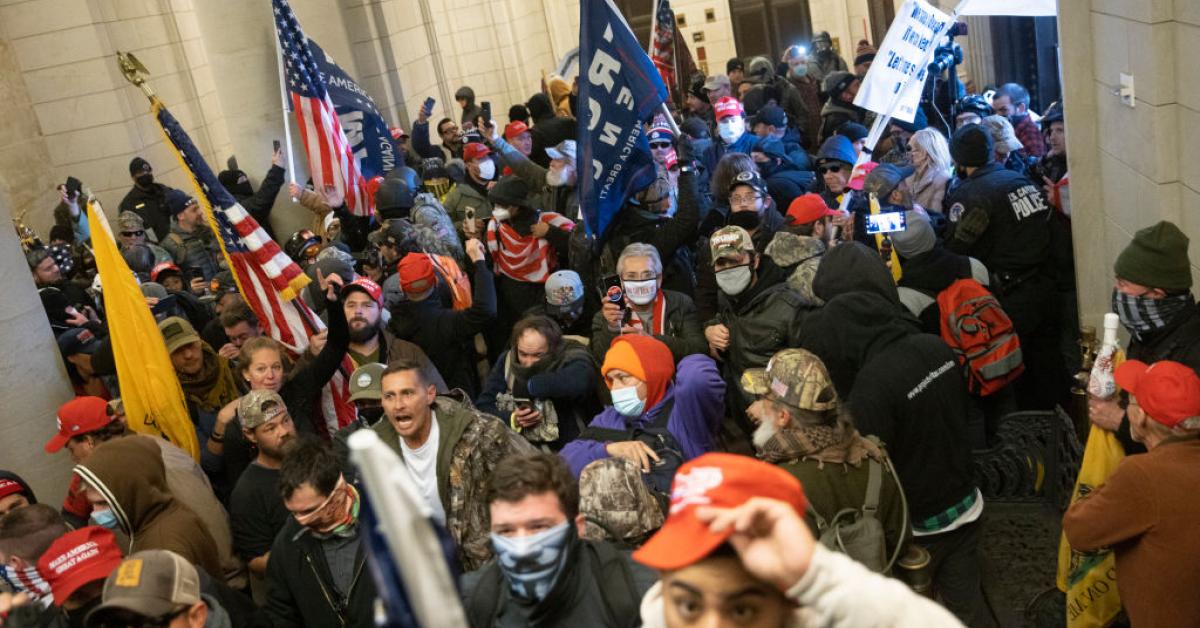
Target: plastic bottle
{"points": [[1101, 384]]}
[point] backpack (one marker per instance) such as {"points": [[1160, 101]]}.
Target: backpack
{"points": [[659, 439], [982, 336], [609, 570], [858, 532]]}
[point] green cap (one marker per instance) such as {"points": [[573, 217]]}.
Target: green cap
{"points": [[1157, 258], [259, 406], [177, 332], [730, 241], [366, 382], [795, 377]]}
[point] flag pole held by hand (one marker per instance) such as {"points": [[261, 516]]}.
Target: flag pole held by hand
{"points": [[283, 100]]}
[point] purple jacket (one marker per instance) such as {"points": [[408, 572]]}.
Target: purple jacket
{"points": [[699, 394]]}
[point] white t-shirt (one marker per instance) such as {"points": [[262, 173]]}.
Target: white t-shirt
{"points": [[422, 463]]}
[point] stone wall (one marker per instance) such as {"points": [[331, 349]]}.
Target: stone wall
{"points": [[1130, 166]]}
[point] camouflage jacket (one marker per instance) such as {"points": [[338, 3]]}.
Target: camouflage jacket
{"points": [[470, 444], [799, 256]]}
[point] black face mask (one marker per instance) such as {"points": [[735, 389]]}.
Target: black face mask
{"points": [[78, 618], [145, 180], [746, 220], [370, 415]]}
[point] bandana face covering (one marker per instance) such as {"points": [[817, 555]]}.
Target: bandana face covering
{"points": [[532, 563], [1142, 315], [335, 516]]}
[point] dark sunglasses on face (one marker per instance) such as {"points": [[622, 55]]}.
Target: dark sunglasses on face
{"points": [[660, 145], [834, 169], [133, 234]]}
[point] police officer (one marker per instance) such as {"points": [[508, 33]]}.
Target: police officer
{"points": [[1000, 218]]}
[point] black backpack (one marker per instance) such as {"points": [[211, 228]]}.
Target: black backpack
{"points": [[660, 440]]}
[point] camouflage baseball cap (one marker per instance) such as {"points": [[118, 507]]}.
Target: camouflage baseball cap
{"points": [[794, 377], [129, 221], [730, 241], [259, 406], [366, 382]]}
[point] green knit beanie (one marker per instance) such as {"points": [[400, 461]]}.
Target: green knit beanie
{"points": [[1157, 258]]}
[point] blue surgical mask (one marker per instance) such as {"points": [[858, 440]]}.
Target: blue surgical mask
{"points": [[106, 519], [532, 563], [627, 403]]}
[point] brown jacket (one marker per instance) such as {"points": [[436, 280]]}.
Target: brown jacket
{"points": [[130, 475], [1148, 513], [469, 446]]}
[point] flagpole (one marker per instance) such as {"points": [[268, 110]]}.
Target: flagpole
{"points": [[283, 101], [650, 53]]}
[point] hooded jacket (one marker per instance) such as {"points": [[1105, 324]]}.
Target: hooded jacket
{"points": [[799, 257], [901, 385], [548, 129], [707, 292], [130, 475], [698, 396], [471, 110], [834, 114]]}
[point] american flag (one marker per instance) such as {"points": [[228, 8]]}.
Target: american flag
{"points": [[268, 279], [662, 49], [330, 158]]}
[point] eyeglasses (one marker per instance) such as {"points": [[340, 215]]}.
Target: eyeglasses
{"points": [[659, 145], [645, 276], [134, 234], [834, 169], [743, 199]]}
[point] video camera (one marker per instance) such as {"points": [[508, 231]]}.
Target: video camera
{"points": [[940, 93]]}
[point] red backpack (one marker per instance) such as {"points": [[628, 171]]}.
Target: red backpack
{"points": [[981, 334]]}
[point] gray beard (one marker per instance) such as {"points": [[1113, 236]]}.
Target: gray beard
{"points": [[763, 434]]}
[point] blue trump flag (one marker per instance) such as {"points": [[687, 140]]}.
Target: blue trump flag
{"points": [[619, 89], [366, 130]]}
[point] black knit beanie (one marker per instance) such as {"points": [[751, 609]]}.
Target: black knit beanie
{"points": [[971, 146]]}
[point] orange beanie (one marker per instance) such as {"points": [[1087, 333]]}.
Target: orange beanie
{"points": [[645, 358]]}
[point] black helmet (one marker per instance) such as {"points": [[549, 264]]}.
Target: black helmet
{"points": [[975, 104], [303, 246]]}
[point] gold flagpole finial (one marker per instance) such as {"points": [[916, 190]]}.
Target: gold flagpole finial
{"points": [[134, 72]]}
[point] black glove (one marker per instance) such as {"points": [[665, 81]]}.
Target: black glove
{"points": [[685, 151]]}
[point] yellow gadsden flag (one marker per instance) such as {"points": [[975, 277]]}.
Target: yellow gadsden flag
{"points": [[1090, 578], [150, 390]]}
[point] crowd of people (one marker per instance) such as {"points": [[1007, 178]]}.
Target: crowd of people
{"points": [[676, 422]]}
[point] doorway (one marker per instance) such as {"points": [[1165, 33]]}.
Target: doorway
{"points": [[766, 27]]}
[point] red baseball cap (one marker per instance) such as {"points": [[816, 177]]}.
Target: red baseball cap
{"points": [[720, 481], [12, 487], [365, 285], [858, 176], [474, 151], [1168, 391], [77, 558], [159, 269], [416, 273], [515, 128], [398, 133], [808, 208], [79, 416], [728, 106]]}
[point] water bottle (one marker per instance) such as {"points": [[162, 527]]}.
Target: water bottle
{"points": [[1101, 384]]}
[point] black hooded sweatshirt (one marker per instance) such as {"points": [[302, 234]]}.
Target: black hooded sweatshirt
{"points": [[901, 385]]}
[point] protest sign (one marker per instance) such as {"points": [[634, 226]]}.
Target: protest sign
{"points": [[905, 52]]}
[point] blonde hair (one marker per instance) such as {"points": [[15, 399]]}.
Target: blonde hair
{"points": [[935, 146]]}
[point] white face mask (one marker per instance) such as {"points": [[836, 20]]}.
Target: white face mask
{"points": [[732, 129], [501, 213], [487, 170], [641, 292]]}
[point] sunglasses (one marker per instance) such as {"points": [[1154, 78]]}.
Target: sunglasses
{"points": [[134, 234], [834, 169], [659, 145]]}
